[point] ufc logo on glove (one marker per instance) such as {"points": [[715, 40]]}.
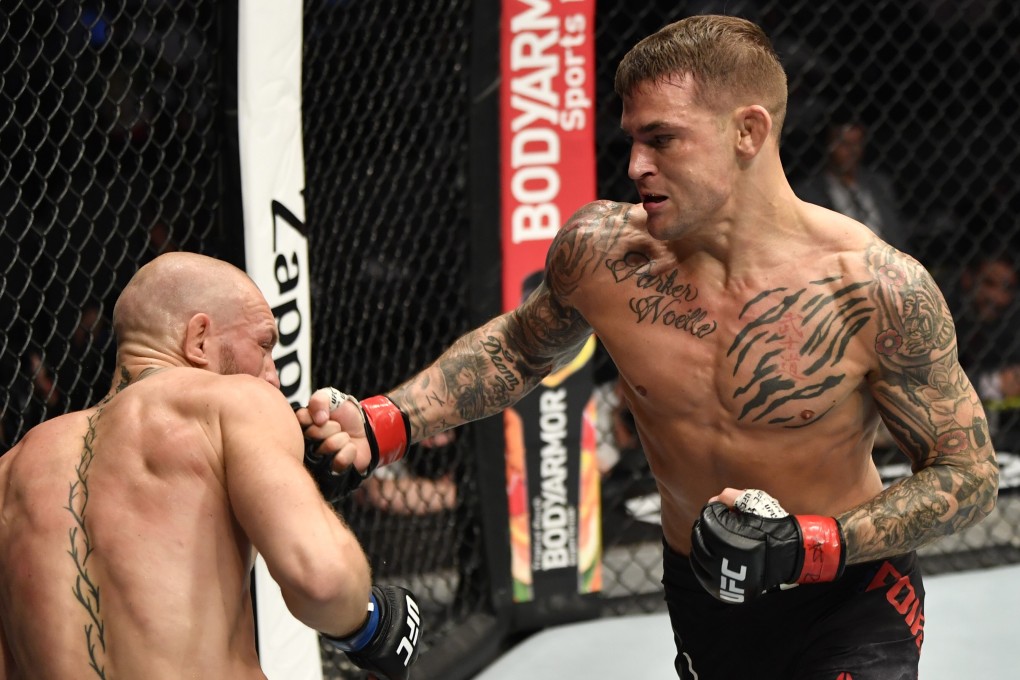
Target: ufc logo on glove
{"points": [[387, 645], [740, 553], [729, 581], [409, 641]]}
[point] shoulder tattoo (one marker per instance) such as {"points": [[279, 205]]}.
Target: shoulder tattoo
{"points": [[583, 242]]}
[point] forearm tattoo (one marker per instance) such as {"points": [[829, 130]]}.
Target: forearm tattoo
{"points": [[492, 367], [931, 410]]}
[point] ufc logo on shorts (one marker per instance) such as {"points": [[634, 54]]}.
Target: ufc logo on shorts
{"points": [[730, 582], [409, 640]]}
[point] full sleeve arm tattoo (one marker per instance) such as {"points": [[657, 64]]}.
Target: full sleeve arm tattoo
{"points": [[493, 366], [490, 368], [933, 413]]}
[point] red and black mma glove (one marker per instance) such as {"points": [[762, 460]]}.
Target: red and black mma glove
{"points": [[737, 556], [388, 430], [387, 643]]}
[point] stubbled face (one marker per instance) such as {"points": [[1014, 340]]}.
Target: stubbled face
{"points": [[246, 342], [682, 158]]}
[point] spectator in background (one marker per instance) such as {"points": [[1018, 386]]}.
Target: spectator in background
{"points": [[35, 394], [93, 351], [399, 490], [852, 188], [987, 318], [39, 387], [161, 238]]}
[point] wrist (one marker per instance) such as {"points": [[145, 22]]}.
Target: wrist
{"points": [[388, 427], [823, 544], [357, 640]]}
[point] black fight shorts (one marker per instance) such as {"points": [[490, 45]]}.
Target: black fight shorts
{"points": [[868, 625]]}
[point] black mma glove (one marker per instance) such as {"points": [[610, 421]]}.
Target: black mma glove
{"points": [[739, 555], [388, 430], [333, 485], [387, 645]]}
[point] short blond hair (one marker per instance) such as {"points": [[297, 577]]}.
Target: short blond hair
{"points": [[722, 55]]}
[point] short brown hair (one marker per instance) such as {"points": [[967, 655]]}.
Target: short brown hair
{"points": [[721, 54]]}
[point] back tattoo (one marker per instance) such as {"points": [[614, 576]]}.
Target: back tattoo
{"points": [[85, 589]]}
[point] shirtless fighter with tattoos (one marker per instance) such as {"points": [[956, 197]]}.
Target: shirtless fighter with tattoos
{"points": [[759, 339], [128, 530]]}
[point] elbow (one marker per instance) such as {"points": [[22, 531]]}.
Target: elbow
{"points": [[991, 487], [981, 490], [330, 590], [329, 585]]}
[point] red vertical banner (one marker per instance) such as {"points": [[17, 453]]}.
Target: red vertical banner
{"points": [[547, 144], [547, 127]]}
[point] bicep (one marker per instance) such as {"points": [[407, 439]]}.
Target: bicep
{"points": [[548, 325], [931, 411], [923, 394], [271, 494], [545, 332]]}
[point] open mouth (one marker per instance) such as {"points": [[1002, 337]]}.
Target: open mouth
{"points": [[652, 199]]}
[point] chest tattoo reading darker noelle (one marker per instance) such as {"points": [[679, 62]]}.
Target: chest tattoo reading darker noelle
{"points": [[661, 297]]}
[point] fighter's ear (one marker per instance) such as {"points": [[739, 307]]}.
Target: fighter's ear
{"points": [[753, 124], [196, 338]]}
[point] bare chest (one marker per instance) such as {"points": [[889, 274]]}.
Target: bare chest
{"points": [[777, 353]]}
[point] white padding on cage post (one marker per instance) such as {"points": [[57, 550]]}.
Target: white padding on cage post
{"points": [[276, 257]]}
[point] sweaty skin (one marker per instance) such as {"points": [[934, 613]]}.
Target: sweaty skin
{"points": [[759, 339], [773, 377], [128, 530], [781, 374]]}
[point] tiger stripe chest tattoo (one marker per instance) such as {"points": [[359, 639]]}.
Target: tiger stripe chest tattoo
{"points": [[783, 354], [792, 345]]}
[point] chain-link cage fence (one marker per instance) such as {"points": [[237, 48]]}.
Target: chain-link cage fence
{"points": [[108, 156], [386, 145]]}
